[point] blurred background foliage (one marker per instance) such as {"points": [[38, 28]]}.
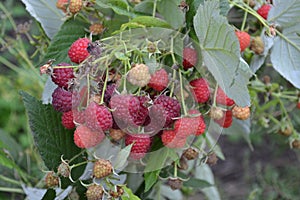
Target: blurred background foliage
{"points": [[271, 171]]}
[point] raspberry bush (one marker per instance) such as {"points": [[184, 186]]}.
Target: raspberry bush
{"points": [[139, 92]]}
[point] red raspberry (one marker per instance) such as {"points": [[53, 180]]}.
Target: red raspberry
{"points": [[75, 6], [226, 120], [62, 76], [129, 110], [223, 99], [159, 80], [141, 145], [200, 89], [110, 89], [244, 39], [170, 108], [78, 50], [79, 116], [86, 138], [189, 58], [198, 122], [185, 127], [171, 140], [98, 117], [67, 120], [62, 100], [264, 10]]}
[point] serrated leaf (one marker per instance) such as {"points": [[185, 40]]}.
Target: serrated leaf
{"points": [[122, 157], [171, 12], [220, 50], [224, 7], [51, 138], [47, 14], [157, 159], [70, 31], [129, 194], [150, 179], [196, 183], [120, 7], [285, 55], [145, 21], [285, 13]]}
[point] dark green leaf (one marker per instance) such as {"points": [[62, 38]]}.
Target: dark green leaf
{"points": [[120, 7], [171, 13], [220, 50], [196, 183], [150, 179], [50, 194], [70, 31], [51, 138]]}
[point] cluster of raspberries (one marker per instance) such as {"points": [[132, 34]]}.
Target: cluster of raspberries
{"points": [[158, 114]]}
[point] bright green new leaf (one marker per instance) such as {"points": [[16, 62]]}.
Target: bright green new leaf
{"points": [[129, 194], [150, 179], [120, 7]]}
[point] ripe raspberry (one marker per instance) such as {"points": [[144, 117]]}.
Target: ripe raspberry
{"points": [[241, 113], [159, 80], [216, 113], [51, 180], [198, 121], [62, 76], [78, 50], [98, 117], [129, 110], [141, 145], [171, 140], [226, 120], [189, 57], [257, 45], [116, 134], [96, 29], [102, 168], [75, 6], [86, 138], [244, 39], [78, 116], [223, 99], [190, 153], [94, 192], [63, 169], [62, 100], [175, 183], [139, 75], [264, 10], [170, 108], [67, 120], [62, 4], [200, 90], [185, 127]]}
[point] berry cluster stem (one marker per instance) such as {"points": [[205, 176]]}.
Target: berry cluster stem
{"points": [[182, 94]]}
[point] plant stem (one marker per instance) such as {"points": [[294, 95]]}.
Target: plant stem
{"points": [[9, 180], [11, 190], [154, 8], [182, 94]]}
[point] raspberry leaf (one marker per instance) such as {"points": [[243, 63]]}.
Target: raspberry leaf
{"points": [[70, 31], [51, 138], [150, 179], [46, 13], [120, 7], [196, 183], [129, 194], [171, 13], [285, 55], [221, 51]]}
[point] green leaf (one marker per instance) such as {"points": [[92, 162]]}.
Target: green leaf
{"points": [[10, 144], [150, 179], [51, 138], [120, 7], [171, 13], [145, 21], [50, 194], [47, 14], [196, 183], [285, 55], [220, 50], [157, 159], [145, 7], [122, 157], [70, 31], [5, 161], [129, 194], [224, 7]]}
